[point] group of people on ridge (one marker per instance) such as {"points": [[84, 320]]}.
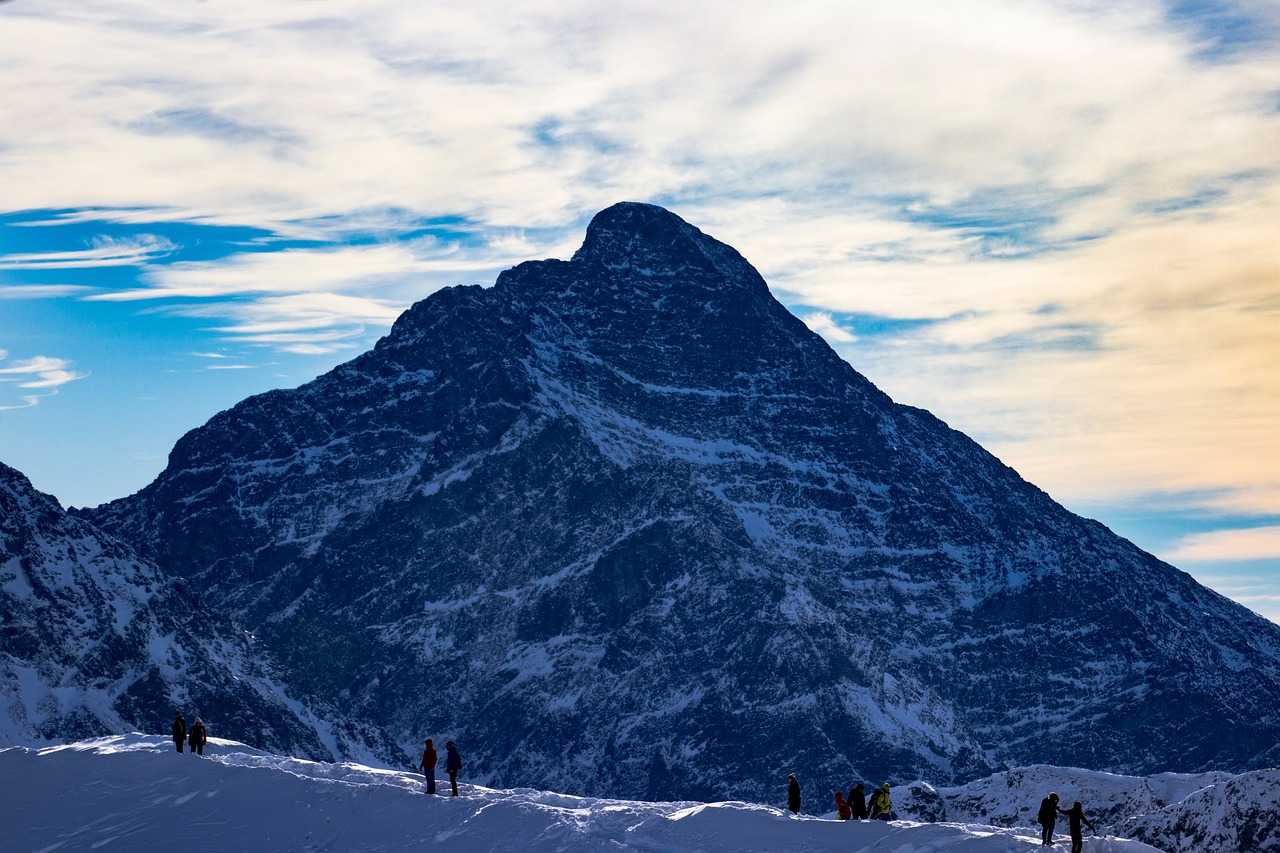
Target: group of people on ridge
{"points": [[853, 807], [196, 737], [452, 764]]}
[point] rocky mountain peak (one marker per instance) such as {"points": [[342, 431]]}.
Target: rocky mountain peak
{"points": [[624, 525], [634, 234]]}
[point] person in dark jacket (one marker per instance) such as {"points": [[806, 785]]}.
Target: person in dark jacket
{"points": [[198, 737], [793, 794], [842, 807], [179, 729], [1047, 817], [428, 765], [453, 763], [858, 802], [1075, 815]]}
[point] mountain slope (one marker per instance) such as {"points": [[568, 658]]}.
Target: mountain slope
{"points": [[97, 641], [623, 525]]}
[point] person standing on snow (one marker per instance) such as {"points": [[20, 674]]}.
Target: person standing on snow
{"points": [[858, 802], [1047, 817], [793, 793], [428, 765], [198, 737], [453, 763], [843, 811], [179, 729], [880, 808], [1075, 815]]}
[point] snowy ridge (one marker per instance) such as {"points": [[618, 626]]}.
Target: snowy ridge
{"points": [[133, 792]]}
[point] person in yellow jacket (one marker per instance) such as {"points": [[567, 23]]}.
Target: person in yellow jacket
{"points": [[880, 809]]}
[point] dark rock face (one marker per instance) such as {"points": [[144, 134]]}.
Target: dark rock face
{"points": [[96, 641], [623, 525]]}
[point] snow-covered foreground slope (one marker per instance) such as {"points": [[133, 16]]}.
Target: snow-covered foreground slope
{"points": [[135, 793]]}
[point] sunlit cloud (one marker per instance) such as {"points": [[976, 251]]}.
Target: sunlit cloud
{"points": [[822, 323], [1256, 543]]}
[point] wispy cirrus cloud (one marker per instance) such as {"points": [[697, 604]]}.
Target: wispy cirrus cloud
{"points": [[106, 252], [42, 291], [1254, 543], [40, 373], [303, 323], [285, 271], [308, 301]]}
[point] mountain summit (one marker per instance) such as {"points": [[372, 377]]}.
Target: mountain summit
{"points": [[622, 525]]}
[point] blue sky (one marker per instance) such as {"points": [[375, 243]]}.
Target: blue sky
{"points": [[1054, 224]]}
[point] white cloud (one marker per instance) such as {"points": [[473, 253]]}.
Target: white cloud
{"points": [[105, 252], [822, 323], [1255, 543], [531, 113], [42, 291], [286, 271], [40, 372]]}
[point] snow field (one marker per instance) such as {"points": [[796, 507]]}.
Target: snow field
{"points": [[136, 793]]}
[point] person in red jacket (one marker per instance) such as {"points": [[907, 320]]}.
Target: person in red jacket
{"points": [[843, 811], [428, 765]]}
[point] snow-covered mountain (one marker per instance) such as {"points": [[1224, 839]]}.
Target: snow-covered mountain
{"points": [[1212, 812], [134, 793], [622, 525], [97, 641]]}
